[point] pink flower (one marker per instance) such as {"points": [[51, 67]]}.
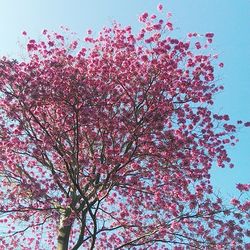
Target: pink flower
{"points": [[160, 7], [209, 35], [221, 65], [73, 45], [31, 45], [245, 206], [144, 58], [24, 33], [243, 187], [247, 124], [197, 45], [169, 26], [51, 44], [143, 17], [247, 246], [157, 26], [169, 14], [234, 202], [210, 40]]}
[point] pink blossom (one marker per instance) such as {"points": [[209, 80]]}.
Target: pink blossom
{"points": [[247, 246], [221, 65], [243, 187], [169, 26], [169, 14], [245, 206], [73, 45], [235, 202], [198, 45], [144, 58], [160, 7], [51, 44], [143, 17], [209, 35], [247, 124], [210, 40]]}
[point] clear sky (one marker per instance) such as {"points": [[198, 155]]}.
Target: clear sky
{"points": [[228, 19]]}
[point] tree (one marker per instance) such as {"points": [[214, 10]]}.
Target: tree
{"points": [[109, 145]]}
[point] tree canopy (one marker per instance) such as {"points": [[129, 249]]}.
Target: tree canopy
{"points": [[108, 143]]}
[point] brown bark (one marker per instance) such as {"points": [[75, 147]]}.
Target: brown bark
{"points": [[64, 231], [63, 237]]}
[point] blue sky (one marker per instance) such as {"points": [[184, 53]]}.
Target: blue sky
{"points": [[228, 19]]}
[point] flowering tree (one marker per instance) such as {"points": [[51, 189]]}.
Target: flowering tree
{"points": [[109, 145]]}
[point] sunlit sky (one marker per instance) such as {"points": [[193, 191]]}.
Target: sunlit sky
{"points": [[228, 19]]}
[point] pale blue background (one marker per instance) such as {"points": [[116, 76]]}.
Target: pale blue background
{"points": [[228, 19]]}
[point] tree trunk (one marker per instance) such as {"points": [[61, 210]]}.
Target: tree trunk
{"points": [[63, 237], [64, 232]]}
